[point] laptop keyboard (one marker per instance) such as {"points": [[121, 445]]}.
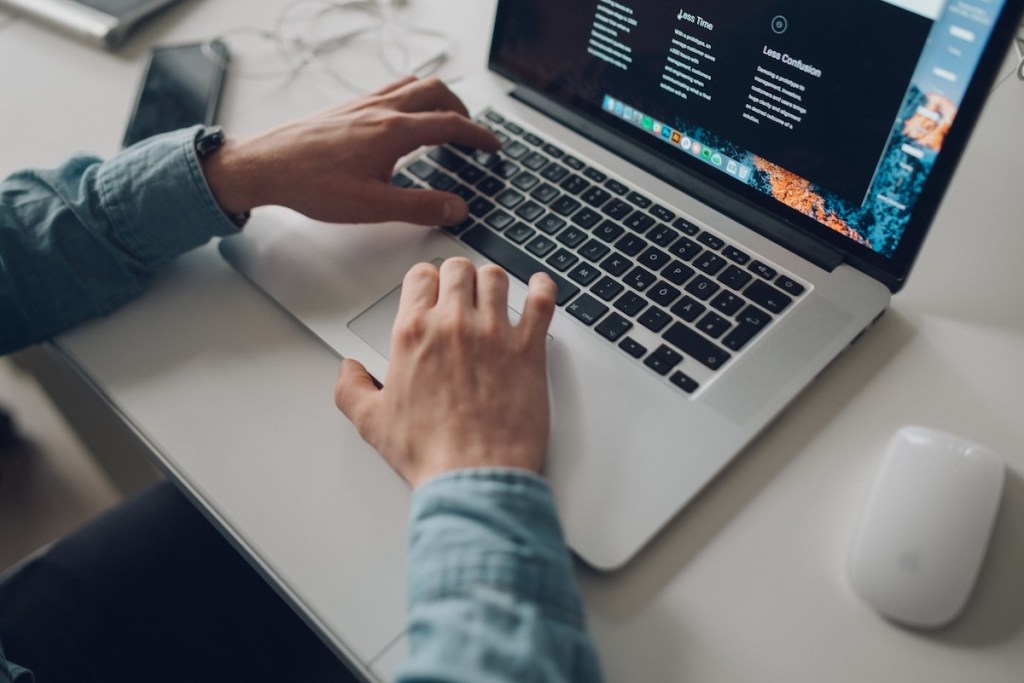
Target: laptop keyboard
{"points": [[678, 298]]}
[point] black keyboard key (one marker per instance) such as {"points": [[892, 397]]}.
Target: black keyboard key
{"points": [[632, 347], [662, 235], [490, 186], [663, 293], [616, 264], [401, 180], [702, 288], [663, 359], [616, 187], [509, 198], [685, 248], [573, 163], [688, 309], [654, 319], [530, 211], [494, 116], [631, 245], [677, 273], [516, 262], [574, 184], [595, 175], [709, 262], [638, 199], [550, 224], [763, 269], [608, 231], [553, 151], [595, 197], [533, 139], [639, 278], [607, 288], [572, 237], [485, 159], [515, 150], [713, 325], [471, 174], [499, 220], [421, 169], [565, 205], [594, 250], [727, 302], [584, 274], [735, 255], [545, 193], [505, 169], [447, 159], [461, 227], [464, 191], [525, 181], [513, 127], [519, 232], [554, 172], [587, 309], [735, 278], [480, 207], [586, 218], [562, 260], [766, 296], [661, 213], [684, 382], [617, 209], [534, 161], [751, 321], [613, 327], [638, 222], [541, 246], [653, 258], [692, 344], [630, 303], [711, 241], [685, 226], [789, 286]]}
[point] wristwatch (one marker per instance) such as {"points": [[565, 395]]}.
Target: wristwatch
{"points": [[208, 141]]}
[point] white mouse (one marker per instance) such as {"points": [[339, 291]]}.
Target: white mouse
{"points": [[926, 527]]}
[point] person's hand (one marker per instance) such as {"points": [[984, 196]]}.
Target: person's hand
{"points": [[336, 165], [464, 388]]}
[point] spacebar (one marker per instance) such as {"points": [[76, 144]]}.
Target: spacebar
{"points": [[514, 261]]}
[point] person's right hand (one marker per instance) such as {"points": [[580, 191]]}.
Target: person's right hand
{"points": [[336, 165], [465, 388]]}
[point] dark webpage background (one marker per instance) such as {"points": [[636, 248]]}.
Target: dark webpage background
{"points": [[866, 51]]}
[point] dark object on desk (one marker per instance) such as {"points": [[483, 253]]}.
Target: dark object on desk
{"points": [[8, 436], [107, 22], [181, 87]]}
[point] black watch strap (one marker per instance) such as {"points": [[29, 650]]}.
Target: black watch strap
{"points": [[208, 141]]}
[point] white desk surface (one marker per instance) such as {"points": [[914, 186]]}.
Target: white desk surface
{"points": [[747, 584]]}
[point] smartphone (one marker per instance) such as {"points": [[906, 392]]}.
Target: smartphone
{"points": [[181, 87]]}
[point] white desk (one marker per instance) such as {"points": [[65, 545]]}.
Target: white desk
{"points": [[747, 584]]}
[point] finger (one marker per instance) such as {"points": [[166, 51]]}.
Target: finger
{"points": [[492, 292], [458, 283], [394, 86], [384, 202], [356, 396], [419, 288], [539, 306], [426, 94], [440, 127]]}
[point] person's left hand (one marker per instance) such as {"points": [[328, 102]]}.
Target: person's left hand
{"points": [[336, 165]]}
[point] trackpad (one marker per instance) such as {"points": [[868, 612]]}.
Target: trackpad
{"points": [[374, 324]]}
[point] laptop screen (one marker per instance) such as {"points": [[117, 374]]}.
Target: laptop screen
{"points": [[831, 116]]}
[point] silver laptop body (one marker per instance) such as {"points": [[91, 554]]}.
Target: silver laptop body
{"points": [[630, 447], [105, 22]]}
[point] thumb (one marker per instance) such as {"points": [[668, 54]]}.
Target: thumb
{"points": [[356, 394]]}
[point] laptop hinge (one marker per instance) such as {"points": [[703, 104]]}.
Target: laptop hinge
{"points": [[789, 235]]}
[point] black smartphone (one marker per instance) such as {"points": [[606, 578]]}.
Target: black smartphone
{"points": [[181, 87]]}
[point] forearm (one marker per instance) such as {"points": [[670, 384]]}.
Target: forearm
{"points": [[79, 240], [491, 591]]}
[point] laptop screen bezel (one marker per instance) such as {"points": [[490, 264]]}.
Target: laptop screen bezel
{"points": [[758, 211]]}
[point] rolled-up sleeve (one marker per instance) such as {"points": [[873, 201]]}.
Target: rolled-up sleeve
{"points": [[78, 240], [491, 591]]}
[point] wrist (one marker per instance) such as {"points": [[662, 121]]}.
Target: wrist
{"points": [[226, 173]]}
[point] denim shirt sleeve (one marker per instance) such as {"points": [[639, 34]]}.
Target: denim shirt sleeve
{"points": [[78, 240], [491, 592]]}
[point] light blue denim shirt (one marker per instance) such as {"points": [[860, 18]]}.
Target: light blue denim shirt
{"points": [[491, 594]]}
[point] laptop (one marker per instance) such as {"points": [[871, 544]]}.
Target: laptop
{"points": [[727, 195], [107, 22]]}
